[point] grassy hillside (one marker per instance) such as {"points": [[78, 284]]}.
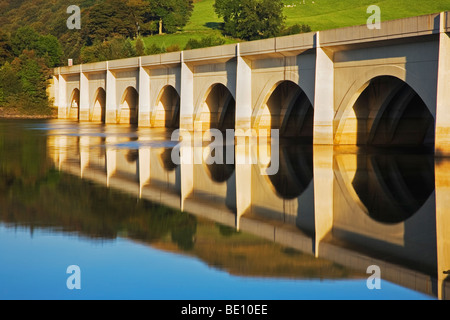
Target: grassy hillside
{"points": [[329, 14], [318, 14]]}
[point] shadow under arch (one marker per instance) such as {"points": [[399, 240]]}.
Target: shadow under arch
{"points": [[288, 109], [387, 112], [74, 104], [128, 109], [167, 113], [394, 186], [98, 112], [217, 110]]}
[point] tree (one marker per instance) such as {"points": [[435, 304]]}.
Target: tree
{"points": [[174, 14], [25, 38], [9, 83], [6, 52], [116, 48], [33, 74], [140, 47], [49, 48], [251, 19]]}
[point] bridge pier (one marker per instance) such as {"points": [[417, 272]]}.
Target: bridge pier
{"points": [[186, 97], [442, 139], [84, 97], [243, 97], [324, 96], [62, 93], [111, 100], [144, 109]]}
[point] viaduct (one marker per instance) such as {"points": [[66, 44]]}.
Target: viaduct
{"points": [[348, 86]]}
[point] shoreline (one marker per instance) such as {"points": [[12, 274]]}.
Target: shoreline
{"points": [[16, 115]]}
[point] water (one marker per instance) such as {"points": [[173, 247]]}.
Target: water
{"points": [[110, 200]]}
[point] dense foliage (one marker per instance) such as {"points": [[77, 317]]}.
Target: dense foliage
{"points": [[25, 61], [251, 19], [102, 21]]}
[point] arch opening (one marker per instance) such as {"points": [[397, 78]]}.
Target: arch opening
{"points": [[389, 112], [98, 112], [218, 110], [74, 106], [167, 113], [128, 110], [289, 110]]}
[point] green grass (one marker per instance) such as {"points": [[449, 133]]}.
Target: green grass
{"points": [[203, 22], [330, 14], [318, 14]]}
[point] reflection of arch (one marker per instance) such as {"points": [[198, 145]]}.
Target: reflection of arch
{"points": [[167, 110], [220, 172], [128, 109], [390, 188], [217, 110], [295, 172], [74, 105], [288, 109], [99, 106], [385, 110], [166, 160]]}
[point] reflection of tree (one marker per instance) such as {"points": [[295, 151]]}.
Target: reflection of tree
{"points": [[34, 194], [226, 231], [183, 234]]}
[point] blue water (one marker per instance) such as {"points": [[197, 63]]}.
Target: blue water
{"points": [[33, 265]]}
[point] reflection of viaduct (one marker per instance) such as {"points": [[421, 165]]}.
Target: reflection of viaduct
{"points": [[351, 208], [345, 86]]}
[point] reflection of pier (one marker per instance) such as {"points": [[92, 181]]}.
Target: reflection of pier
{"points": [[355, 209]]}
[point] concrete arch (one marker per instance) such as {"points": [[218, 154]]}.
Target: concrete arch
{"points": [[128, 108], [166, 113], [285, 107], [352, 128], [74, 104], [98, 109], [217, 109]]}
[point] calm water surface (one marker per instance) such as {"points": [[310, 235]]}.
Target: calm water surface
{"points": [[110, 200]]}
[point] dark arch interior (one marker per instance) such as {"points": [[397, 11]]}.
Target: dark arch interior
{"points": [[101, 98], [75, 97], [402, 119], [393, 187], [170, 99], [295, 172], [222, 107], [291, 112], [131, 97]]}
